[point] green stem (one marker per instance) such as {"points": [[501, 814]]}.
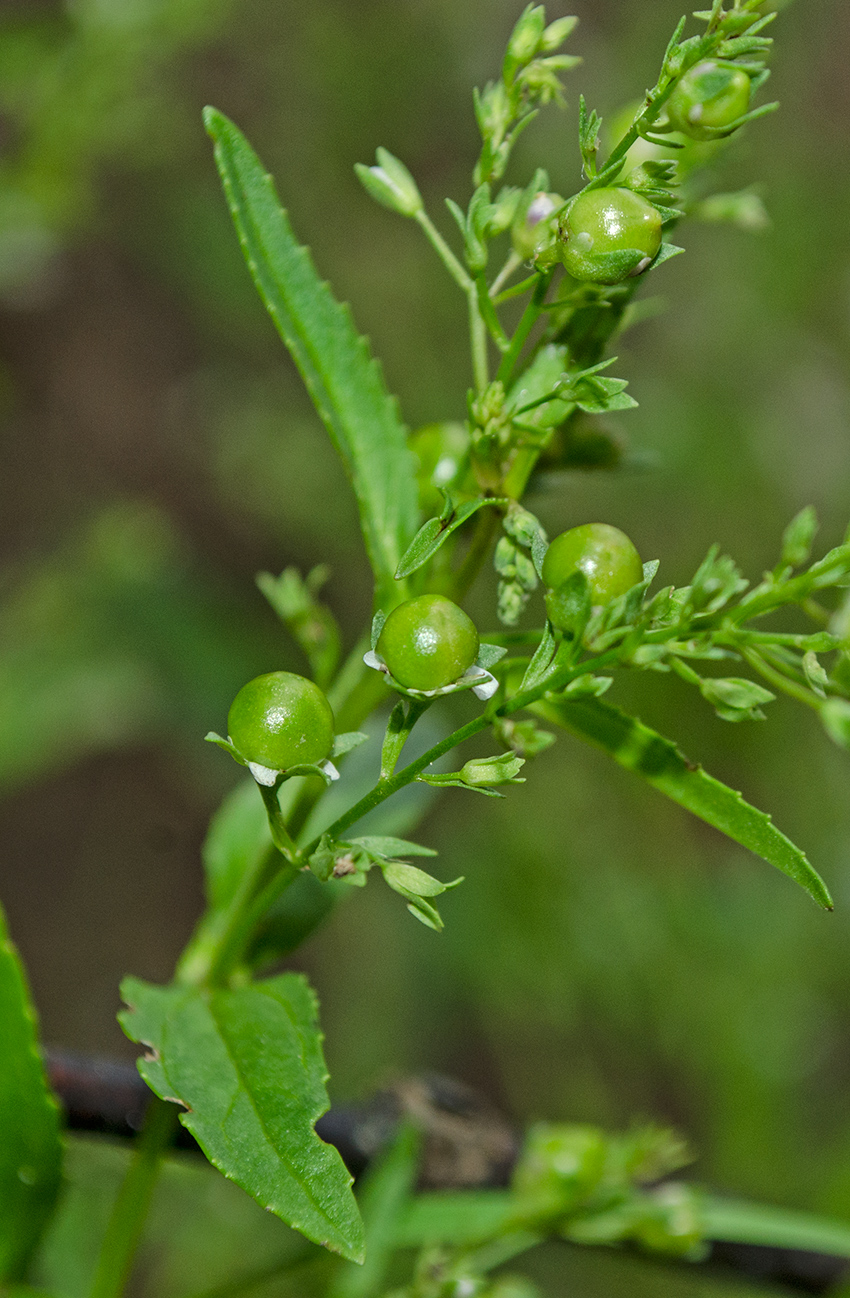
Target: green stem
{"points": [[130, 1209], [280, 834], [529, 318], [486, 528], [488, 314], [400, 724], [780, 681], [478, 341], [386, 788], [516, 290], [512, 263], [231, 950], [444, 252]]}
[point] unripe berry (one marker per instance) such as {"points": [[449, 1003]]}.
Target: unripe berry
{"points": [[708, 99], [281, 720], [609, 234], [428, 642], [603, 553]]}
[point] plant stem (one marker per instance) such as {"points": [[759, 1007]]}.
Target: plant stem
{"points": [[780, 681], [527, 322], [131, 1206], [443, 251], [386, 788], [486, 527], [488, 314], [280, 834], [478, 341], [512, 263]]}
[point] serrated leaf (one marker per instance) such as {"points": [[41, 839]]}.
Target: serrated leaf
{"points": [[342, 377], [436, 532], [740, 1222], [247, 1065], [30, 1150], [658, 761]]}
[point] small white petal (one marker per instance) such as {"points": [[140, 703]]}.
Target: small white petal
{"points": [[263, 774], [371, 659], [329, 770], [487, 688]]}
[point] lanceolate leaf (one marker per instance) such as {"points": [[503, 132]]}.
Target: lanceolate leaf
{"points": [[659, 761], [436, 531], [341, 375], [30, 1152], [459, 1217], [247, 1065], [757, 1223]]}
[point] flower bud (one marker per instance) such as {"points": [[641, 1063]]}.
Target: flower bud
{"points": [[486, 771], [391, 184], [525, 39]]}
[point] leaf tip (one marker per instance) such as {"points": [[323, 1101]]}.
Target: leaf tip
{"points": [[213, 120]]}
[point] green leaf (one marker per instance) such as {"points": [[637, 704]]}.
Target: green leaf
{"points": [[341, 376], [247, 1066], [386, 847], [311, 623], [290, 921], [489, 655], [30, 1150], [237, 837], [835, 718], [383, 1199], [734, 697], [640, 749], [756, 1223], [348, 741], [437, 531], [456, 1217], [412, 882], [665, 252]]}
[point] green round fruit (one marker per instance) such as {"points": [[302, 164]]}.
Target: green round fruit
{"points": [[281, 720], [603, 553], [609, 234], [428, 642], [709, 99]]}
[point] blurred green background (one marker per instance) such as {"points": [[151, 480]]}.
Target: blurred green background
{"points": [[608, 957]]}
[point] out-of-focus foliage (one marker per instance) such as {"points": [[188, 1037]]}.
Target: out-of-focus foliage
{"points": [[159, 452]]}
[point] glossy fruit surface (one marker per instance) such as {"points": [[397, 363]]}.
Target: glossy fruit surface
{"points": [[281, 720], [609, 234], [708, 99], [603, 553], [428, 642]]}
